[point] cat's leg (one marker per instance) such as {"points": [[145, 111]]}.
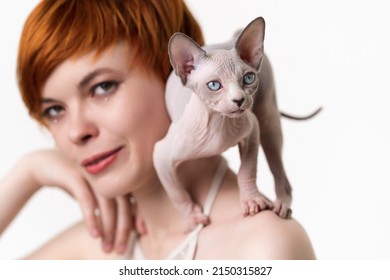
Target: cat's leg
{"points": [[267, 113], [252, 200], [167, 156], [271, 141]]}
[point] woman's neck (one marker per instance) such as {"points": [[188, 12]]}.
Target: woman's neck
{"points": [[157, 211]]}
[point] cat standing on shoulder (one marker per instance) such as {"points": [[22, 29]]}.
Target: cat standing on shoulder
{"points": [[222, 83], [94, 75], [220, 86]]}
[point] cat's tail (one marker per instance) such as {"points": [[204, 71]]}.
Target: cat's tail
{"points": [[300, 118]]}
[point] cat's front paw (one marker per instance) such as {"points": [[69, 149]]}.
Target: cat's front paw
{"points": [[196, 217], [255, 204], [282, 209]]}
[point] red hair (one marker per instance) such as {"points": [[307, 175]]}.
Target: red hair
{"points": [[57, 30]]}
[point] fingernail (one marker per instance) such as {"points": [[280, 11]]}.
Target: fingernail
{"points": [[120, 248], [107, 247]]}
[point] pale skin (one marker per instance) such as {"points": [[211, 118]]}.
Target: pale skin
{"points": [[114, 116]]}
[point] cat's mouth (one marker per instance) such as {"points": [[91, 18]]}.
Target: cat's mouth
{"points": [[237, 113]]}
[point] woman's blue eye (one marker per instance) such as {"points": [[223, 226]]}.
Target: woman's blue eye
{"points": [[249, 78], [104, 88], [214, 85]]}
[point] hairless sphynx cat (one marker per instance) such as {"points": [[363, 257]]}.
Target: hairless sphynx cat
{"points": [[209, 101]]}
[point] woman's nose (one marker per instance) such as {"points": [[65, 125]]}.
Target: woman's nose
{"points": [[81, 129]]}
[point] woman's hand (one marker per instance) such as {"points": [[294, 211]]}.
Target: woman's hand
{"points": [[109, 219], [115, 222]]}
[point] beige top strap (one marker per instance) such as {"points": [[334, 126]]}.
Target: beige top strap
{"points": [[187, 248]]}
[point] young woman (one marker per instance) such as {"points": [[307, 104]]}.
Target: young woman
{"points": [[93, 73]]}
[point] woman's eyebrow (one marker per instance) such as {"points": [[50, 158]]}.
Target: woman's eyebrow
{"points": [[90, 76], [83, 83], [47, 100]]}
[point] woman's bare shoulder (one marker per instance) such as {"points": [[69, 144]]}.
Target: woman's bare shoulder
{"points": [[73, 243], [262, 236], [271, 237]]}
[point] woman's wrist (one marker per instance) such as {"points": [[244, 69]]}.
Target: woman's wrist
{"points": [[25, 170], [15, 189]]}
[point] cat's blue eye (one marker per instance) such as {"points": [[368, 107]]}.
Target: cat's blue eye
{"points": [[214, 85], [249, 78]]}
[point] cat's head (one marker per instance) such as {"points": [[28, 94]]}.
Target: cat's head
{"points": [[225, 80]]}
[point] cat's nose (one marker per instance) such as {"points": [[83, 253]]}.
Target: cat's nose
{"points": [[239, 101]]}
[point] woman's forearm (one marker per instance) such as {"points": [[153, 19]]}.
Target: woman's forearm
{"points": [[16, 188]]}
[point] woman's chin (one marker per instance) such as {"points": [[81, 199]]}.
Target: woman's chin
{"points": [[121, 181], [109, 185]]}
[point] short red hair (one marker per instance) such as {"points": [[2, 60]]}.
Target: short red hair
{"points": [[57, 30]]}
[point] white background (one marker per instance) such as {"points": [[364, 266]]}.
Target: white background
{"points": [[330, 53]]}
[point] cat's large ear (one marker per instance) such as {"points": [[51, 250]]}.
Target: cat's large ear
{"points": [[184, 54], [250, 43]]}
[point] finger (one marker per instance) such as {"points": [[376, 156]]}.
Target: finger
{"points": [[138, 221], [140, 224], [124, 223], [88, 204], [108, 211]]}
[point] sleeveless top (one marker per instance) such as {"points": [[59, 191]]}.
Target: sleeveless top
{"points": [[187, 248]]}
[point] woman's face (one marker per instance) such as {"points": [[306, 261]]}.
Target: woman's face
{"points": [[106, 117]]}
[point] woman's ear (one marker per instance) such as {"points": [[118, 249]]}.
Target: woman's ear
{"points": [[185, 54], [250, 43]]}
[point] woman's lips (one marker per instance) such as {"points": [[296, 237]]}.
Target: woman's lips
{"points": [[100, 162]]}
